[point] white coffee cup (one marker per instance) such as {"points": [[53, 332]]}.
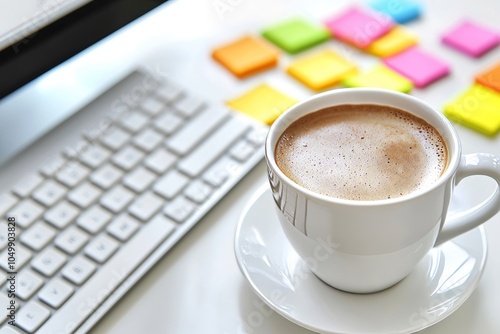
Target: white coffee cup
{"points": [[368, 246]]}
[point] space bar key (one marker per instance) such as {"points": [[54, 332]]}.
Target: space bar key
{"points": [[81, 305]]}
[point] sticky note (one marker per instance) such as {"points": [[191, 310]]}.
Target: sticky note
{"points": [[263, 103], [418, 66], [246, 56], [295, 35], [477, 108], [471, 38], [379, 77], [490, 78], [359, 27], [321, 70], [395, 41], [401, 11]]}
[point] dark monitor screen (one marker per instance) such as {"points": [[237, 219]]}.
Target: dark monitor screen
{"points": [[32, 56]]}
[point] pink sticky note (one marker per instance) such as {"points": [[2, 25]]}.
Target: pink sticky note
{"points": [[359, 27], [418, 66], [471, 38]]}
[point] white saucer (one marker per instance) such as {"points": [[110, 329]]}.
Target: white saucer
{"points": [[440, 283]]}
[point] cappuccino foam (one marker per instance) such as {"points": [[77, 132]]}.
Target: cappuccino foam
{"points": [[361, 152]]}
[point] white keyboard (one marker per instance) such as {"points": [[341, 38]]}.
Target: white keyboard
{"points": [[90, 223]]}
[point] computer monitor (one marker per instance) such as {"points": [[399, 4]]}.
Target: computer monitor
{"points": [[28, 50], [51, 41]]}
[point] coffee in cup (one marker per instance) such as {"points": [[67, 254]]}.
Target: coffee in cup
{"points": [[361, 152]]}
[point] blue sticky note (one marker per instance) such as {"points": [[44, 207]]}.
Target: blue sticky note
{"points": [[401, 11]]}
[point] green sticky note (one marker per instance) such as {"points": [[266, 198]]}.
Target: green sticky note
{"points": [[296, 35], [379, 77], [478, 108]]}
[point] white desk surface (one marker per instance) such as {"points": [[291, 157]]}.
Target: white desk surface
{"points": [[197, 287]]}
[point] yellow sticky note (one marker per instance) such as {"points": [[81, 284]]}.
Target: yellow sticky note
{"points": [[321, 70], [395, 41], [477, 108], [379, 77], [263, 103]]}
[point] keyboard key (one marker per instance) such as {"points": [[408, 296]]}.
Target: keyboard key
{"points": [[179, 209], [79, 270], [49, 193], [160, 160], [168, 92], [145, 206], [147, 140], [3, 235], [117, 199], [200, 127], [125, 261], [28, 283], [94, 156], [152, 106], [222, 170], [55, 293], [123, 227], [84, 195], [7, 201], [7, 329], [213, 147], [49, 261], [257, 136], [23, 255], [52, 166], [134, 121], [72, 175], [168, 123], [101, 248], [106, 176], [71, 240], [38, 236], [61, 215], [26, 212], [115, 138], [242, 151], [5, 301], [72, 151], [94, 219], [24, 187], [188, 106], [198, 191], [170, 184], [32, 316], [128, 158], [139, 179]]}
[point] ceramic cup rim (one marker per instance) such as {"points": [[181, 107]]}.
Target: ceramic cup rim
{"points": [[326, 99]]}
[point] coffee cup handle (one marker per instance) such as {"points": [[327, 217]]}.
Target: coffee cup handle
{"points": [[461, 222]]}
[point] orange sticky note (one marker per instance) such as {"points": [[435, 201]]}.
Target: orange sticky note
{"points": [[490, 78], [246, 56]]}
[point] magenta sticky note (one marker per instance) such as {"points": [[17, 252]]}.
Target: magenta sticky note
{"points": [[359, 27], [418, 66], [471, 38]]}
